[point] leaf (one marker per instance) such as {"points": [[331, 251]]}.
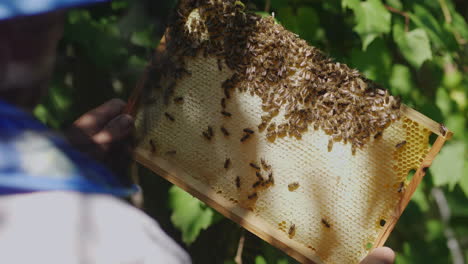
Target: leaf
{"points": [[440, 37], [448, 165], [143, 38], [443, 102], [457, 201], [464, 180], [304, 22], [350, 4], [118, 5], [413, 45], [395, 4], [375, 62], [435, 230], [459, 96], [456, 122], [420, 199], [189, 214], [372, 20], [401, 81], [452, 78], [260, 260], [459, 25]]}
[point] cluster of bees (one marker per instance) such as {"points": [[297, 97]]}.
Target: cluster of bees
{"points": [[288, 75], [264, 175]]}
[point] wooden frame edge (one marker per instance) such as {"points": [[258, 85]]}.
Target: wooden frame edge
{"points": [[230, 210], [432, 125]]}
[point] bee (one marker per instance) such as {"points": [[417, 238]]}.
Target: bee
{"points": [[443, 130], [330, 145], [382, 222], [401, 144], [325, 223], [210, 131], [223, 103], [259, 176], [265, 166], [152, 146], [206, 135], [178, 100], [244, 137], [220, 66], [293, 186], [292, 231], [252, 196], [401, 187], [226, 93], [169, 116], [226, 114], [248, 130], [238, 182], [282, 130], [262, 126], [256, 184], [225, 131], [227, 162], [270, 178], [171, 152], [378, 135], [353, 149], [255, 166]]}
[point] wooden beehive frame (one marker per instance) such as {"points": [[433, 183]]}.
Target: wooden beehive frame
{"points": [[243, 216]]}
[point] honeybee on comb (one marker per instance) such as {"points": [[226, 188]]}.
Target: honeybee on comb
{"points": [[293, 186], [152, 146], [326, 223], [248, 130], [224, 131], [226, 114], [255, 166], [227, 163], [292, 231], [252, 196], [244, 137], [400, 144], [169, 117], [264, 164], [178, 100]]}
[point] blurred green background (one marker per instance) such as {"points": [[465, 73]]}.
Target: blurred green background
{"points": [[418, 49]]}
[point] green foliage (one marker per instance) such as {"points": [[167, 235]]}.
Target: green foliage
{"points": [[410, 47], [372, 20], [414, 45], [448, 167], [260, 260], [401, 80], [188, 214], [374, 62]]}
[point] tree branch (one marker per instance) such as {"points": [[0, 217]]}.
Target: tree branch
{"points": [[445, 10], [404, 14], [240, 247], [448, 19], [444, 211]]}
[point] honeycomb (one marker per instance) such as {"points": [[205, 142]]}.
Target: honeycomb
{"points": [[335, 201], [351, 193]]}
